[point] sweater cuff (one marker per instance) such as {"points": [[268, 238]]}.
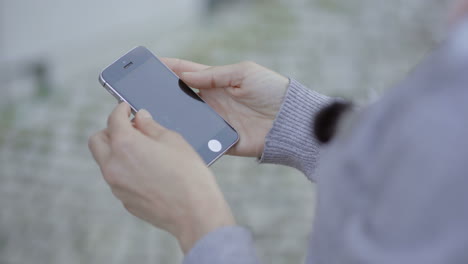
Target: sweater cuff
{"points": [[292, 141], [224, 245]]}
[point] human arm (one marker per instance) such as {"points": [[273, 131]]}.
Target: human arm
{"points": [[394, 183], [289, 142], [292, 140], [410, 197], [141, 163], [274, 115], [116, 147]]}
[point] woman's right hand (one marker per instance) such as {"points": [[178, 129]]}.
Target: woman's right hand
{"points": [[247, 95]]}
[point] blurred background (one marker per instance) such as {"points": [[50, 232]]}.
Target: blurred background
{"points": [[55, 206]]}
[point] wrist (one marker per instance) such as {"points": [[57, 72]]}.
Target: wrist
{"points": [[204, 216]]}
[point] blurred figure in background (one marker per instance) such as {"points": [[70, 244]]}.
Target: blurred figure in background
{"points": [[391, 177]]}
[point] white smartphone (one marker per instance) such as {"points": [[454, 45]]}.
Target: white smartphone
{"points": [[143, 81]]}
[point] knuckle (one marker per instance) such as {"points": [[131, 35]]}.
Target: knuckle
{"points": [[121, 142], [248, 63], [130, 208], [109, 120], [214, 68], [161, 131], [172, 134], [178, 64], [110, 175], [127, 207], [158, 133], [149, 123], [92, 139]]}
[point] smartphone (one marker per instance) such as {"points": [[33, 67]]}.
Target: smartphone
{"points": [[143, 81]]}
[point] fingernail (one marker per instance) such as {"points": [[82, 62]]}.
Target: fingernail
{"points": [[186, 73], [144, 114]]}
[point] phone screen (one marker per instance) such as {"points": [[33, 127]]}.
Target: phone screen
{"points": [[149, 84]]}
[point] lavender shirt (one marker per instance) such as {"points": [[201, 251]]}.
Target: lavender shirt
{"points": [[392, 185]]}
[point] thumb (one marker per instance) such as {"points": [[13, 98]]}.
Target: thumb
{"points": [[145, 124], [217, 77]]}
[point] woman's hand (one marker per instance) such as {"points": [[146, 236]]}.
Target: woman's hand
{"points": [[247, 95], [159, 177]]}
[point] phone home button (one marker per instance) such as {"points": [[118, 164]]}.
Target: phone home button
{"points": [[214, 145]]}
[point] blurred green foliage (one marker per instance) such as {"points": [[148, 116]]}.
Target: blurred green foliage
{"points": [[332, 5], [266, 24], [7, 117]]}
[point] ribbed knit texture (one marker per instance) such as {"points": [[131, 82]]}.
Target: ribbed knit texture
{"points": [[292, 141], [226, 245], [392, 187]]}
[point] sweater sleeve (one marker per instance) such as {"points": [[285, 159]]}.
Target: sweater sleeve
{"points": [[291, 141], [226, 245], [420, 213]]}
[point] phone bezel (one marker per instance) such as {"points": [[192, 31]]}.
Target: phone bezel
{"points": [[139, 55]]}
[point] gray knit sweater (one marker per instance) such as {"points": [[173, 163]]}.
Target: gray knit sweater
{"points": [[392, 185]]}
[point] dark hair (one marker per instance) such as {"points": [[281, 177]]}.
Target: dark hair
{"points": [[327, 119]]}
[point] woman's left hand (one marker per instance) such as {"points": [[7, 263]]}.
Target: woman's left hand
{"points": [[159, 177]]}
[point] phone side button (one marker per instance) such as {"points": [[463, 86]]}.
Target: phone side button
{"points": [[114, 94], [119, 99]]}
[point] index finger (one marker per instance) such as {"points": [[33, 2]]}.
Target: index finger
{"points": [[119, 119], [178, 66]]}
